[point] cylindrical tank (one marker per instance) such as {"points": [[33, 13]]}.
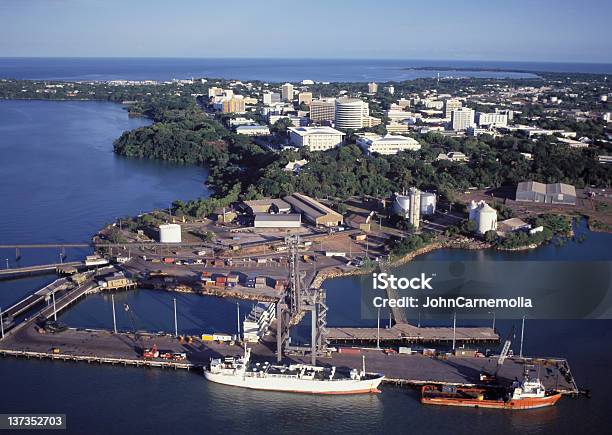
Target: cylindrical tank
{"points": [[486, 218], [401, 205], [428, 203], [170, 233]]}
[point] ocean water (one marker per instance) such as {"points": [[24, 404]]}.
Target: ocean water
{"points": [[60, 181], [272, 70]]}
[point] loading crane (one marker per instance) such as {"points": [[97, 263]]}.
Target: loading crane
{"points": [[486, 377]]}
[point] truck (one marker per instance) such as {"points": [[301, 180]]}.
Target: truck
{"points": [[150, 353]]}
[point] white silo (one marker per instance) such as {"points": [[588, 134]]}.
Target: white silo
{"points": [[486, 218], [401, 205], [428, 203], [414, 216], [170, 233]]}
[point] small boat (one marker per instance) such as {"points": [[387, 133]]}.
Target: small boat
{"points": [[525, 394]]}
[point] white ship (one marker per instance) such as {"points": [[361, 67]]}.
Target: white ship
{"points": [[297, 378]]}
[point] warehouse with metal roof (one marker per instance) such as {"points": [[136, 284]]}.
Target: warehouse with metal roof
{"points": [[554, 193], [313, 211], [291, 220]]}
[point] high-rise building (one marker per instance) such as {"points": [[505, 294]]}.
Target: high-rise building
{"points": [[234, 104], [372, 88], [462, 119], [270, 97], [323, 110], [305, 97], [287, 92], [351, 113], [450, 105]]}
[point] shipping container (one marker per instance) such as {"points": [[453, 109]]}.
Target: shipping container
{"points": [[405, 350], [207, 337], [168, 260]]}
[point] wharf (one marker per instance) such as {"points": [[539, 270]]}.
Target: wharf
{"points": [[105, 347], [406, 333], [41, 269]]}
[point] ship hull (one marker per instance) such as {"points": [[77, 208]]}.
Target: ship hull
{"points": [[527, 403], [292, 385]]}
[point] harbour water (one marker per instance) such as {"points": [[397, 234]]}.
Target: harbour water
{"points": [[274, 70], [59, 181]]}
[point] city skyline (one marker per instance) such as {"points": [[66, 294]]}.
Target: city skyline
{"points": [[513, 31]]}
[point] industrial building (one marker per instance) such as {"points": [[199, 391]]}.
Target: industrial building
{"points": [[265, 220], [512, 225], [555, 193], [484, 216], [170, 233], [313, 211], [315, 138], [387, 145], [267, 205]]}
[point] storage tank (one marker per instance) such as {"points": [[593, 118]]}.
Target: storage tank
{"points": [[486, 218], [428, 203], [401, 205], [170, 233]]}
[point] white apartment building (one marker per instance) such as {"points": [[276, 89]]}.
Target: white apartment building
{"points": [[270, 98], [351, 113], [491, 119], [450, 105], [287, 92], [372, 88], [462, 119], [388, 144], [315, 138]]}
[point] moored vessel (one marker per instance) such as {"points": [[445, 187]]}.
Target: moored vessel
{"points": [[296, 378], [525, 394]]}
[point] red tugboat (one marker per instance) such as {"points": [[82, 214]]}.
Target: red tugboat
{"points": [[525, 394]]}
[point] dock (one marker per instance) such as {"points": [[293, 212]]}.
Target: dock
{"points": [[403, 333], [39, 296], [105, 347], [40, 269]]}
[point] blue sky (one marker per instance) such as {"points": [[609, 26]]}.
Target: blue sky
{"points": [[536, 30]]}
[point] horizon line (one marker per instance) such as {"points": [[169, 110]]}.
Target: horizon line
{"points": [[315, 58]]}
